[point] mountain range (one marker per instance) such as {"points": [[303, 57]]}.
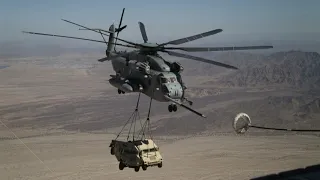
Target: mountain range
{"points": [[294, 69]]}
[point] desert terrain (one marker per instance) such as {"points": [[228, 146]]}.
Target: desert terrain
{"points": [[64, 110]]}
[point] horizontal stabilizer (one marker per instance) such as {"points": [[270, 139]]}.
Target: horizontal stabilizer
{"points": [[112, 57], [103, 59]]}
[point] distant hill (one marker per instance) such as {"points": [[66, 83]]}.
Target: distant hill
{"points": [[301, 112], [287, 69]]}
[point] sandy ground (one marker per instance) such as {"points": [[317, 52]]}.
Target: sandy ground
{"points": [[38, 100], [86, 156], [21, 83]]}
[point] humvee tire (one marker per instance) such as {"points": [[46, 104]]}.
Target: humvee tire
{"points": [[160, 165], [137, 168], [112, 151], [121, 166], [144, 167]]}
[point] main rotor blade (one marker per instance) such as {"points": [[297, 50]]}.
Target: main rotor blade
{"points": [[192, 38], [98, 29], [143, 32], [199, 59], [199, 49], [132, 43], [71, 37], [103, 38]]}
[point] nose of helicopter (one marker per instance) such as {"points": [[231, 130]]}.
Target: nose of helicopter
{"points": [[173, 90]]}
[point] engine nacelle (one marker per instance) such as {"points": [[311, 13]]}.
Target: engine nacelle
{"points": [[143, 67], [139, 66], [176, 67]]}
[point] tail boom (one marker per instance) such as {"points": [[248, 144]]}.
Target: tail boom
{"points": [[111, 40]]}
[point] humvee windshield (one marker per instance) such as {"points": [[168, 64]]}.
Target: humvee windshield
{"points": [[150, 150]]}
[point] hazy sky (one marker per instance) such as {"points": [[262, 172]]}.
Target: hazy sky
{"points": [[164, 19]]}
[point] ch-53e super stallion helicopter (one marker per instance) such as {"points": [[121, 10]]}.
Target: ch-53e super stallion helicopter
{"points": [[145, 71]]}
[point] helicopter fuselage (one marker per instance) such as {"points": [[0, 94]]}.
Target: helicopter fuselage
{"points": [[149, 74]]}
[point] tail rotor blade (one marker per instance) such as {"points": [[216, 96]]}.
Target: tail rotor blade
{"points": [[121, 18], [119, 27], [143, 32]]}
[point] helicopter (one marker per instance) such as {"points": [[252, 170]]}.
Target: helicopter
{"points": [[144, 71]]}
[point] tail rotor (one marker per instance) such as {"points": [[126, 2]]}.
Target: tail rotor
{"points": [[119, 29]]}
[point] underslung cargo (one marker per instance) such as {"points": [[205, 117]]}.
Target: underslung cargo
{"points": [[141, 152], [136, 154]]}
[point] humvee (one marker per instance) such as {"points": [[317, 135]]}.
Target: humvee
{"points": [[136, 154]]}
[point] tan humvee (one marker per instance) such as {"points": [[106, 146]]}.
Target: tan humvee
{"points": [[136, 154]]}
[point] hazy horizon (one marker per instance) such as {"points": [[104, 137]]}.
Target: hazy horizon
{"points": [[247, 22]]}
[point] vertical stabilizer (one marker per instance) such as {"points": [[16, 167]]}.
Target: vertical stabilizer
{"points": [[111, 40]]}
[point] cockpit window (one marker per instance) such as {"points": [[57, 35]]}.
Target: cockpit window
{"points": [[173, 79], [168, 80], [164, 80]]}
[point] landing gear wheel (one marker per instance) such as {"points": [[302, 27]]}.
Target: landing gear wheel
{"points": [[121, 166], [170, 108], [174, 107], [137, 168], [123, 92], [160, 165], [144, 167], [190, 103], [119, 91], [112, 151]]}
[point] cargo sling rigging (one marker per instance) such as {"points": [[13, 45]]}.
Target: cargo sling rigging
{"points": [[133, 118]]}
